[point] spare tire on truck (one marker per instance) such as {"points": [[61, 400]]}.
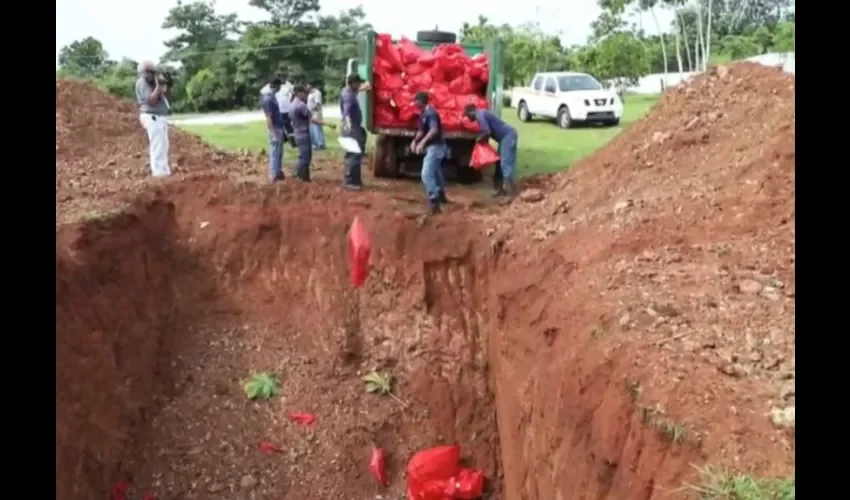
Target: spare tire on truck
{"points": [[436, 37]]}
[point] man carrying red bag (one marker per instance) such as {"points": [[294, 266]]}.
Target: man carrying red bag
{"points": [[507, 137]]}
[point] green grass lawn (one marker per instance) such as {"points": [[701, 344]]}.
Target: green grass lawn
{"points": [[543, 147]]}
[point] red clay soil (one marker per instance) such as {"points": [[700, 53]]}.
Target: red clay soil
{"points": [[598, 343]]}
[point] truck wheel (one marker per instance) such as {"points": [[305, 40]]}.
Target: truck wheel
{"points": [[564, 118], [436, 37], [468, 175], [522, 112], [384, 162]]}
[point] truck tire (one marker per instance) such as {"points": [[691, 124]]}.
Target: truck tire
{"points": [[436, 37], [384, 164], [564, 120]]}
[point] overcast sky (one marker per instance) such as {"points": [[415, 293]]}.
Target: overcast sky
{"points": [[132, 29]]}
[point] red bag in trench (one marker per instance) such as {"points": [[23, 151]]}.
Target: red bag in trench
{"points": [[359, 249], [483, 155]]}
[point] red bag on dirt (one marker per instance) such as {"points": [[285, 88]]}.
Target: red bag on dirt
{"points": [[359, 249], [409, 51], [433, 464], [469, 484], [385, 50], [377, 466], [483, 155]]}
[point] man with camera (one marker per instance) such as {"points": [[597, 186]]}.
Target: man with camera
{"points": [[151, 90]]}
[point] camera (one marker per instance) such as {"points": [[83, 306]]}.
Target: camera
{"points": [[165, 78]]}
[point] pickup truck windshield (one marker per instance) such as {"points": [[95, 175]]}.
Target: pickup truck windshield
{"points": [[578, 82]]}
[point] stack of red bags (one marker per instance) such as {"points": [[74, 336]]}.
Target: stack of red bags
{"points": [[436, 474], [451, 78]]}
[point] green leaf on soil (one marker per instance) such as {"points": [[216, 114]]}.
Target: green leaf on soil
{"points": [[380, 383], [263, 385]]}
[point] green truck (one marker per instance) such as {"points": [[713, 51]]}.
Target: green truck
{"points": [[392, 157]]}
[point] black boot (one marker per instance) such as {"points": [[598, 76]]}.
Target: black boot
{"points": [[510, 189], [442, 197], [434, 207]]}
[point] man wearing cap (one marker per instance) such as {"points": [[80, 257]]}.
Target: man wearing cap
{"points": [[429, 139], [153, 109], [352, 126], [302, 119], [492, 126]]}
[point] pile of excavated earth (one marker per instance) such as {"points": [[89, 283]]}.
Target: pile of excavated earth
{"points": [[622, 331]]}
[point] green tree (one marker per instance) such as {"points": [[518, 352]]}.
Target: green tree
{"points": [[84, 58]]}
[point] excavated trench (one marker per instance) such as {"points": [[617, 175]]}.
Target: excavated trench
{"points": [[161, 312]]}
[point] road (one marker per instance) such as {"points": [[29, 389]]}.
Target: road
{"points": [[233, 118]]}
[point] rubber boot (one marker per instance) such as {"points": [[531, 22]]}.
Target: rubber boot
{"points": [[498, 189], [509, 189], [434, 207]]}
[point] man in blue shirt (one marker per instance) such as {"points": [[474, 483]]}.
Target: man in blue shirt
{"points": [[274, 125], [352, 126], [429, 139], [301, 119], [492, 126]]}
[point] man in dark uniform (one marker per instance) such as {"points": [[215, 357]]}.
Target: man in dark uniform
{"points": [[504, 176]]}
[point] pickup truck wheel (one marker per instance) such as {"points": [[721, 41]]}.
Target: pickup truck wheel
{"points": [[564, 118], [522, 112]]}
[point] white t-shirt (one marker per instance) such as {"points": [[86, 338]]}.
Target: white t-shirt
{"points": [[283, 96]]}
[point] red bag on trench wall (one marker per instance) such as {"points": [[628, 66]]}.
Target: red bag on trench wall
{"points": [[359, 249]]}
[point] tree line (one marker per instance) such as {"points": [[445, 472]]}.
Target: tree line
{"points": [[220, 62]]}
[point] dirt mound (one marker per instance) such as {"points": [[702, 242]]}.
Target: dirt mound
{"points": [[678, 240], [102, 152]]}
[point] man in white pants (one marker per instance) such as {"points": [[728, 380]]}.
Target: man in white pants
{"points": [[153, 108]]}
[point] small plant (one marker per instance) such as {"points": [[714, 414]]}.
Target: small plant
{"points": [[381, 383], [263, 385], [673, 432], [721, 485], [649, 414], [635, 390]]}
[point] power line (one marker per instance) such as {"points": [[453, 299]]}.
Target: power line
{"points": [[231, 50]]}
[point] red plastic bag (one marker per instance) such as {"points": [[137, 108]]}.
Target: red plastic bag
{"points": [[359, 249], [389, 81], [483, 155], [385, 50], [434, 464], [305, 419], [377, 466], [461, 85], [269, 448], [469, 484], [409, 51]]}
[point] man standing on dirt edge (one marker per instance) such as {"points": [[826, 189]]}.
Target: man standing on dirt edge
{"points": [[274, 125], [302, 120], [507, 137], [153, 108], [429, 139], [314, 104], [352, 126]]}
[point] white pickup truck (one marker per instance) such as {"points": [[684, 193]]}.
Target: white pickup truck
{"points": [[568, 98]]}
